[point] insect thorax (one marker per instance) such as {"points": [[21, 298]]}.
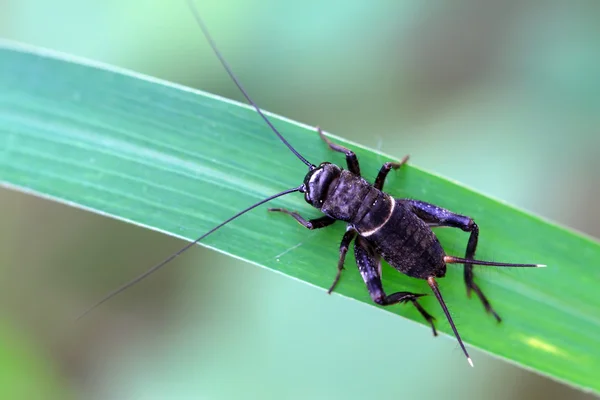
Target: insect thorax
{"points": [[351, 199]]}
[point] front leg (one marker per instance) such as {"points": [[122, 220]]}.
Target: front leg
{"points": [[437, 216], [316, 223], [369, 265], [351, 158]]}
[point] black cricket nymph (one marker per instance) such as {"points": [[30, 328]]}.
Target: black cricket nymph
{"points": [[382, 227], [379, 218], [395, 230]]}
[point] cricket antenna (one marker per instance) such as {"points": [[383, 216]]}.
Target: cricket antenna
{"points": [[438, 295], [458, 260], [213, 45], [182, 250]]}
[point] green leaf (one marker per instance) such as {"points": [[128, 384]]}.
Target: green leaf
{"points": [[181, 161], [23, 362]]}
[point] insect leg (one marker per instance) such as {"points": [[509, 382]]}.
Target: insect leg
{"points": [[316, 223], [369, 265], [346, 240], [437, 216], [351, 158], [385, 169]]}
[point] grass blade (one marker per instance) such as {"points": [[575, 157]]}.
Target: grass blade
{"points": [[180, 161]]}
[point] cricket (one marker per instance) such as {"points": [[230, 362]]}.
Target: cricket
{"points": [[381, 227]]}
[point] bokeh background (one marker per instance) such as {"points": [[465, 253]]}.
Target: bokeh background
{"points": [[501, 96]]}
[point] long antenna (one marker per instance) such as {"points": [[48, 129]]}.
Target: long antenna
{"points": [[213, 45], [183, 249], [458, 260], [438, 295]]}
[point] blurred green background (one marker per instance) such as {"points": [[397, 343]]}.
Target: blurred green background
{"points": [[501, 96]]}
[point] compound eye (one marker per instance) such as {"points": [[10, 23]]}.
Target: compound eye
{"points": [[307, 197]]}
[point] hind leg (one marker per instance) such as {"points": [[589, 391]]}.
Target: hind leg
{"points": [[437, 216], [369, 265]]}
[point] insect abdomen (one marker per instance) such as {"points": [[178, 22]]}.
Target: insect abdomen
{"points": [[407, 244]]}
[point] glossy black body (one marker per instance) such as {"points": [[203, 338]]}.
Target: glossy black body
{"points": [[397, 230], [389, 225]]}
